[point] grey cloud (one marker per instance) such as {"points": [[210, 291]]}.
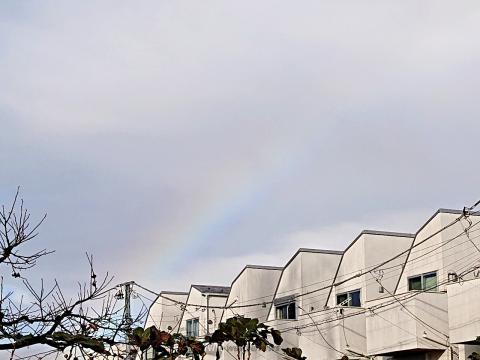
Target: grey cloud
{"points": [[140, 127]]}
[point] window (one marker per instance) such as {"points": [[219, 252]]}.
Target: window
{"points": [[285, 307], [286, 311], [426, 282], [192, 327], [351, 298]]}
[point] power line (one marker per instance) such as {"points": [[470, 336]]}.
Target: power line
{"points": [[395, 275], [409, 312], [317, 313], [438, 247], [409, 295], [358, 273], [363, 272]]}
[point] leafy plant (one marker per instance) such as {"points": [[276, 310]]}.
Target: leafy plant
{"points": [[244, 333], [474, 356], [166, 345], [295, 353]]}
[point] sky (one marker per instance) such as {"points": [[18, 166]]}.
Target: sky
{"points": [[178, 141]]}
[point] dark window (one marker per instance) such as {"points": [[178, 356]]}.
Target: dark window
{"points": [[430, 282], [355, 298], [415, 283], [342, 299], [351, 298], [426, 282], [286, 311], [192, 327]]}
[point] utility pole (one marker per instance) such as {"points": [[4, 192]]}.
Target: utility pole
{"points": [[127, 312], [127, 289]]}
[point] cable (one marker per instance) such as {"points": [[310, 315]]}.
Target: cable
{"points": [[409, 292], [408, 296], [361, 273], [318, 329], [455, 253], [409, 312], [437, 247]]}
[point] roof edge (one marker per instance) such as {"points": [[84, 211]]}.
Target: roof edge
{"points": [[168, 292], [205, 291], [258, 267], [317, 251], [263, 267], [439, 211], [387, 233], [320, 251]]}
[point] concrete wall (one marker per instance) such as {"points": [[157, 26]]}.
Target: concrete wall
{"points": [[164, 313], [367, 251], [307, 271], [195, 297], [449, 251], [254, 285], [395, 328], [463, 314], [379, 248], [348, 331]]}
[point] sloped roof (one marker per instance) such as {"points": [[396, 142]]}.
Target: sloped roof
{"points": [[167, 292], [317, 251], [212, 289], [257, 267]]}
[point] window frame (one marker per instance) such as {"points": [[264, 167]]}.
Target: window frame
{"points": [[349, 298], [422, 281], [286, 306], [194, 331]]}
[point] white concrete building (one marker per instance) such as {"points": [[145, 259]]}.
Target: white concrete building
{"points": [[253, 289], [347, 299], [388, 295], [201, 317], [306, 271], [317, 316], [463, 315], [254, 285], [419, 320], [166, 311]]}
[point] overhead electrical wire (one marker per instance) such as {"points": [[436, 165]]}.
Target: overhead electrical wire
{"points": [[320, 312], [395, 273], [408, 295], [356, 275], [361, 273]]}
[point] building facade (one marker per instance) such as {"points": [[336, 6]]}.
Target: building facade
{"points": [[166, 311], [388, 295]]}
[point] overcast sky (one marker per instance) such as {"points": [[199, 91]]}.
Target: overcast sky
{"points": [[179, 140]]}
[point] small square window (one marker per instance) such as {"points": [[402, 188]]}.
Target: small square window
{"points": [[354, 298], [425, 282], [430, 282], [193, 327], [351, 298], [286, 311], [415, 283], [342, 299]]}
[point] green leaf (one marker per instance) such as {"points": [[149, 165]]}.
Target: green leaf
{"points": [[294, 353], [277, 337]]}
